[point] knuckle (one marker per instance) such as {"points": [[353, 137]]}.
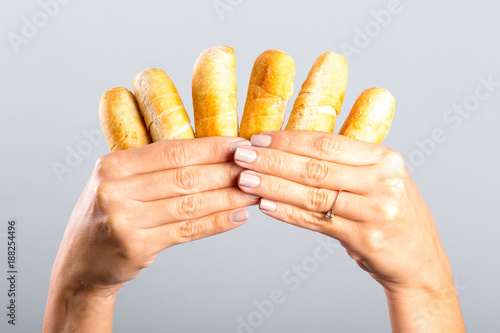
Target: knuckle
{"points": [[185, 177], [273, 163], [374, 241], [394, 160], [215, 149], [189, 230], [100, 165], [394, 186], [105, 164], [317, 198], [326, 145], [388, 212], [115, 228], [290, 214], [132, 249], [188, 205], [308, 221], [284, 140], [392, 155], [232, 198], [315, 171], [216, 226], [275, 188], [104, 193], [177, 154], [316, 223]]}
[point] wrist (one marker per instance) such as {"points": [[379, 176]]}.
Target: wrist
{"points": [[427, 309], [70, 310], [432, 277]]}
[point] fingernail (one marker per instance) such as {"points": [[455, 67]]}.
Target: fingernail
{"points": [[248, 180], [260, 140], [239, 216], [245, 155], [252, 197], [267, 205], [236, 144]]}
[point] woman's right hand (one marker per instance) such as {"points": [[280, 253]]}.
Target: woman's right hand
{"points": [[141, 201]]}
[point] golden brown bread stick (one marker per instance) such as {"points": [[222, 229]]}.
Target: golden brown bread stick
{"points": [[371, 116], [214, 93], [270, 88], [321, 96], [121, 120], [161, 106]]}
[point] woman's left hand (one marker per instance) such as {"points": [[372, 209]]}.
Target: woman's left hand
{"points": [[380, 217]]}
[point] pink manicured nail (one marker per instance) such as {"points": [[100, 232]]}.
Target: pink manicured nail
{"points": [[260, 140], [252, 197], [245, 155], [236, 144], [248, 180], [239, 216], [267, 205]]}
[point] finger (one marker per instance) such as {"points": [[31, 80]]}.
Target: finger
{"points": [[192, 206], [349, 205], [306, 170], [171, 154], [170, 234], [339, 228], [325, 146], [181, 181]]}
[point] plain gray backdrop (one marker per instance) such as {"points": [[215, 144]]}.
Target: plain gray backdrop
{"points": [[432, 56]]}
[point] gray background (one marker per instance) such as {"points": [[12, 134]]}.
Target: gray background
{"points": [[431, 56]]}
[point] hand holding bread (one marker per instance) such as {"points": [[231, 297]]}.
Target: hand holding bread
{"points": [[295, 175]]}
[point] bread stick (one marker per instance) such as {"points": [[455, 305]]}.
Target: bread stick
{"points": [[321, 96], [270, 88], [371, 116], [121, 120], [214, 93], [161, 106]]}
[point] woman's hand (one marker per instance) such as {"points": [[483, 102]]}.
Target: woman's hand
{"points": [[380, 217], [137, 203]]}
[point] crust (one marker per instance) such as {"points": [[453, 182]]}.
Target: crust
{"points": [[321, 96], [270, 88], [161, 106], [121, 120], [371, 116], [214, 93]]}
